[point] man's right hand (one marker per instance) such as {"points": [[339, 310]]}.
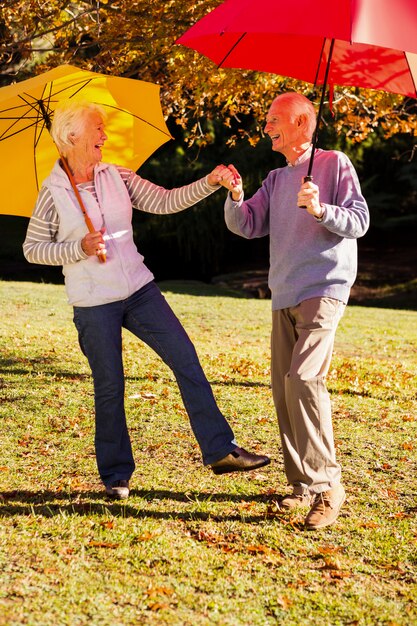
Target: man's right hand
{"points": [[237, 184]]}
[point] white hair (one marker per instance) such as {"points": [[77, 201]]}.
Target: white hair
{"points": [[69, 121]]}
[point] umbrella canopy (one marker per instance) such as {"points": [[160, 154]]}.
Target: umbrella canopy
{"points": [[375, 41], [135, 127], [360, 43]]}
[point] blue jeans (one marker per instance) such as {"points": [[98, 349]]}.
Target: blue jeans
{"points": [[147, 315]]}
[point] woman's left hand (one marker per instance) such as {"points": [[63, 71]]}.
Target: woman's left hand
{"points": [[223, 175]]}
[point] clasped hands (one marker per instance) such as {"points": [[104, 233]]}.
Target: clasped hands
{"points": [[229, 177]]}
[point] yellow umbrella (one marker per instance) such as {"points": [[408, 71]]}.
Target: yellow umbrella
{"points": [[135, 127]]}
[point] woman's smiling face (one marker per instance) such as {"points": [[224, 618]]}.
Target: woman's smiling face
{"points": [[88, 145]]}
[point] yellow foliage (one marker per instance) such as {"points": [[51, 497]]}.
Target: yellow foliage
{"points": [[136, 39]]}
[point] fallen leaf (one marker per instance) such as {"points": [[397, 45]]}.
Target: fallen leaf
{"points": [[107, 524], [158, 606], [159, 591], [396, 567], [369, 525], [400, 515], [259, 476], [336, 574], [246, 505], [145, 536], [258, 549], [284, 602]]}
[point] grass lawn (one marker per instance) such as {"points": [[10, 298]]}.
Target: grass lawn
{"points": [[189, 548]]}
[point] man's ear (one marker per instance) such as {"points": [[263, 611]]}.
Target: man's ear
{"points": [[302, 120]]}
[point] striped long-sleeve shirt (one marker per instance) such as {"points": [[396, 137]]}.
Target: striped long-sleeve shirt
{"points": [[41, 244], [57, 228]]}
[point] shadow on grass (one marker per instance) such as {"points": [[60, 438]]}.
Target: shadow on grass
{"points": [[397, 299], [8, 367], [20, 371], [239, 383], [49, 504], [198, 288]]}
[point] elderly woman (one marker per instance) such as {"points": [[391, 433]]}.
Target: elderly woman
{"points": [[121, 293]]}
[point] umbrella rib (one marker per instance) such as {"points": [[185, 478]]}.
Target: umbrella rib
{"points": [[40, 113], [411, 73], [319, 63], [6, 133], [36, 138], [38, 106], [85, 83], [141, 119], [231, 49], [4, 136]]}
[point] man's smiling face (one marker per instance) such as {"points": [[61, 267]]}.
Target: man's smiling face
{"points": [[283, 127]]}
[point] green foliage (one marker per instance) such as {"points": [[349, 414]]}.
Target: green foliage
{"points": [[196, 243], [189, 548]]}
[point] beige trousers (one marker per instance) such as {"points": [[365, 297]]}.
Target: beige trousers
{"points": [[301, 350]]}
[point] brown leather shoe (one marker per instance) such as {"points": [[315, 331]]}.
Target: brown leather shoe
{"points": [[300, 497], [239, 460], [326, 508], [119, 490]]}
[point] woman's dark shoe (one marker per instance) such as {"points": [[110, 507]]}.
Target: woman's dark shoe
{"points": [[119, 490]]}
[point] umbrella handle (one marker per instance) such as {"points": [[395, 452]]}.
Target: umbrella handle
{"points": [[306, 179], [90, 225]]}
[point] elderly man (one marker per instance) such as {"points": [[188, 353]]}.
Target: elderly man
{"points": [[313, 229]]}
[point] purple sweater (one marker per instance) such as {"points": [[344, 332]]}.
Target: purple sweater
{"points": [[308, 258]]}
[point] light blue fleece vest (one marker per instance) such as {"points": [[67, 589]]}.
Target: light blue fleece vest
{"points": [[89, 282]]}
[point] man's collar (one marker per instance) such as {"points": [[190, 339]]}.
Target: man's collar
{"points": [[303, 157]]}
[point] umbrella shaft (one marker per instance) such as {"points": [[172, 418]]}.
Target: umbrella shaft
{"points": [[323, 93], [45, 114], [89, 223]]}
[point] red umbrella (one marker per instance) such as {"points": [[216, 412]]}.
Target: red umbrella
{"points": [[362, 43]]}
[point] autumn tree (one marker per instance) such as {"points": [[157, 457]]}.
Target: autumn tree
{"points": [[206, 107], [137, 39]]}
